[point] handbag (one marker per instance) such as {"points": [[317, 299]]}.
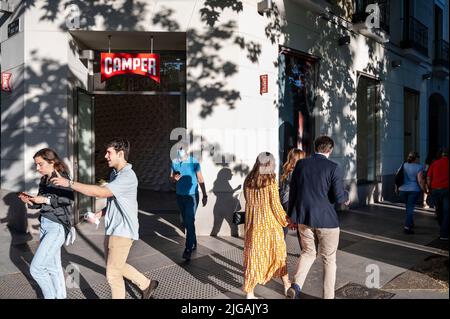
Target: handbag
{"points": [[400, 177], [238, 216]]}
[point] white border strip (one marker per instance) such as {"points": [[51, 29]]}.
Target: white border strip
{"points": [[397, 242]]}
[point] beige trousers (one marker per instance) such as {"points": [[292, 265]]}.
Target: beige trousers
{"points": [[116, 252], [328, 240]]}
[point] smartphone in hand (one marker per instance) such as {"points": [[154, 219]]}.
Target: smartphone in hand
{"points": [[25, 195], [176, 176]]}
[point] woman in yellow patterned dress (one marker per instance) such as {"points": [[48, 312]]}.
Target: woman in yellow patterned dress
{"points": [[264, 246]]}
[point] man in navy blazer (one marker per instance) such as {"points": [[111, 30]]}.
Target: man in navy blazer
{"points": [[316, 185]]}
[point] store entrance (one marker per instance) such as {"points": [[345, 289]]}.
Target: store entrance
{"points": [[147, 122], [144, 112], [298, 81]]}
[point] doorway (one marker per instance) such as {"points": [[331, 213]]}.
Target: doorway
{"points": [[437, 124], [368, 164], [411, 120], [134, 107], [298, 82]]}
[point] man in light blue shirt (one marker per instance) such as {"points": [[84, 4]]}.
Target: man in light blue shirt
{"points": [[187, 175], [121, 221]]}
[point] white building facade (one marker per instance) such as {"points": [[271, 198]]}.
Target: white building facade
{"points": [[237, 80]]}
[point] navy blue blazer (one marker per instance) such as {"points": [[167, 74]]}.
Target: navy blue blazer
{"points": [[316, 185]]}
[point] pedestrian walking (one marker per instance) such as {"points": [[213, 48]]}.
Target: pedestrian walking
{"points": [[55, 216], [121, 218], [413, 184], [186, 173], [437, 181], [264, 248], [316, 180], [293, 157]]}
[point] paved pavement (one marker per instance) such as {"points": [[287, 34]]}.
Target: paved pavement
{"points": [[371, 242]]}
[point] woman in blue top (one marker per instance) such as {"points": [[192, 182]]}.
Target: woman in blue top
{"points": [[412, 186]]}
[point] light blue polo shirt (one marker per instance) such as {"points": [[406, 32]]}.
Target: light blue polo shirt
{"points": [[188, 183], [410, 183], [122, 210]]}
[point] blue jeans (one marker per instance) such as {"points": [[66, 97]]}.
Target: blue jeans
{"points": [[410, 199], [440, 199], [188, 206], [46, 266]]}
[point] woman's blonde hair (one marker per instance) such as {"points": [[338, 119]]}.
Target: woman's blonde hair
{"points": [[294, 155], [262, 173]]}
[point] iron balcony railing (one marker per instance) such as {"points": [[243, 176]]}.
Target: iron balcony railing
{"points": [[360, 14], [415, 35], [441, 53]]}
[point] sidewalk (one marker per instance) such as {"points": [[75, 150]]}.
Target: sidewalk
{"points": [[411, 266]]}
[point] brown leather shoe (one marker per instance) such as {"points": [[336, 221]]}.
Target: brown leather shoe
{"points": [[147, 293]]}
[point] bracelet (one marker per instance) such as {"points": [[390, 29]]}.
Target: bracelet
{"points": [[71, 183]]}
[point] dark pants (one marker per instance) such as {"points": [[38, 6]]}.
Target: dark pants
{"points": [[410, 199], [440, 199], [286, 229], [188, 206]]}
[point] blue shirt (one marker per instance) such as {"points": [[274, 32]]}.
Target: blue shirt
{"points": [[188, 183], [122, 210], [410, 183]]}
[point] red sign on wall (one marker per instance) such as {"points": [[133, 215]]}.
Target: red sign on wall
{"points": [[263, 84], [6, 81], [146, 64]]}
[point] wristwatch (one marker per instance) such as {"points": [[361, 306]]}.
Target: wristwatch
{"points": [[48, 202]]}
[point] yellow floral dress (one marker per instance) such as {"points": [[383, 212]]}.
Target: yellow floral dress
{"points": [[264, 246]]}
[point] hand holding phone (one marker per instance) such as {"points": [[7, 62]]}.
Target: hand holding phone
{"points": [[24, 197], [176, 175]]}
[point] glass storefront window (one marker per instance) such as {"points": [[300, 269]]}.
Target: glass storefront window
{"points": [[368, 142]]}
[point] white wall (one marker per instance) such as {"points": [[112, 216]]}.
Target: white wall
{"points": [[224, 106], [12, 105]]}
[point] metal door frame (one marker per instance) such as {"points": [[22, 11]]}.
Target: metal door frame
{"points": [[76, 138]]}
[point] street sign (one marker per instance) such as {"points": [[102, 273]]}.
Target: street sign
{"points": [[263, 84], [6, 81]]}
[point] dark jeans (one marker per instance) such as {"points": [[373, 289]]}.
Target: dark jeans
{"points": [[440, 199], [410, 199], [188, 206]]}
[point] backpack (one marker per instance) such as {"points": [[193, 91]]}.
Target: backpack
{"points": [[400, 176]]}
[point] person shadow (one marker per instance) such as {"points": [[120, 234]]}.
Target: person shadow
{"points": [[20, 252], [162, 232], [226, 203]]}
